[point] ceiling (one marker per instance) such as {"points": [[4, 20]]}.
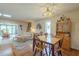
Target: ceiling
{"points": [[32, 11]]}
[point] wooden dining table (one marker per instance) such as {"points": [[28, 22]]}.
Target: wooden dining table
{"points": [[52, 44]]}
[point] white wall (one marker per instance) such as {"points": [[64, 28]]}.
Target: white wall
{"points": [[53, 24]]}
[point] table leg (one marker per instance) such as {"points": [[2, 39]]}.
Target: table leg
{"points": [[53, 50]]}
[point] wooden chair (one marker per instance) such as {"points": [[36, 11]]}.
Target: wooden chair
{"points": [[59, 49], [38, 46]]}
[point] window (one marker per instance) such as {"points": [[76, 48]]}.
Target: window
{"points": [[48, 30], [11, 29]]}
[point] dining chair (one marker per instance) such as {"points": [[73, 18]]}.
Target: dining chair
{"points": [[38, 46], [59, 49]]}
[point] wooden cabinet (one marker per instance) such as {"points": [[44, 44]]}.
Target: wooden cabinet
{"points": [[63, 29]]}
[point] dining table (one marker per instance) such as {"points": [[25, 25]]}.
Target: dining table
{"points": [[51, 45]]}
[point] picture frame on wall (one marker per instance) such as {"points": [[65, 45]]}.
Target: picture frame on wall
{"points": [[39, 26], [29, 27]]}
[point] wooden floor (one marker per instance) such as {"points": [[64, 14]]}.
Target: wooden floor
{"points": [[71, 52], [22, 53]]}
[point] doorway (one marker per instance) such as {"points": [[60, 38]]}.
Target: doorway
{"points": [[48, 30]]}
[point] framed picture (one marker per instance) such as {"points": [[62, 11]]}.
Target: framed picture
{"points": [[29, 27], [38, 26]]}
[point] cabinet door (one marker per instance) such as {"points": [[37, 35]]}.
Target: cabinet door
{"points": [[66, 43], [59, 26]]}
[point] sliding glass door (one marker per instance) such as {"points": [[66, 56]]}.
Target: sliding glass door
{"points": [[11, 29]]}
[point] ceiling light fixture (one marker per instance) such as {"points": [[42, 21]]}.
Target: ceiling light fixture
{"points": [[6, 15], [0, 14], [47, 10]]}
